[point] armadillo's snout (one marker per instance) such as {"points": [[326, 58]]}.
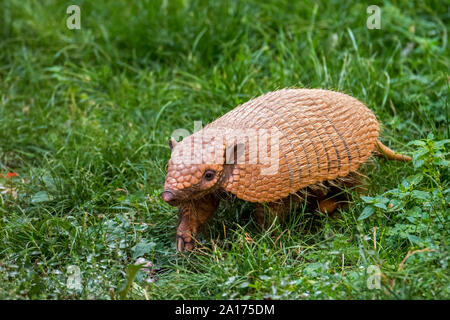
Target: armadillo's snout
{"points": [[169, 197]]}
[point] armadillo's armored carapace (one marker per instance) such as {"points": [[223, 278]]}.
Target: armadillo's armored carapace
{"points": [[290, 139]]}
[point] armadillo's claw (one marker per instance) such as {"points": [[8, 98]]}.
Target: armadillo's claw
{"points": [[193, 214], [179, 244], [183, 242]]}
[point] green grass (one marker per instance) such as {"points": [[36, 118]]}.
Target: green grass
{"points": [[85, 116]]}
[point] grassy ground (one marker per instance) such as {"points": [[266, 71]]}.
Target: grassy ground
{"points": [[85, 117]]}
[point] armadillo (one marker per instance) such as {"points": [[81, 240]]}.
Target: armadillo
{"points": [[269, 150]]}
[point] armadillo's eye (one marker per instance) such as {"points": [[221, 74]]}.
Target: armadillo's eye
{"points": [[209, 175]]}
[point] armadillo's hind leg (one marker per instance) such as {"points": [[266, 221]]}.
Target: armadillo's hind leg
{"points": [[338, 192], [328, 206], [265, 214], [192, 215]]}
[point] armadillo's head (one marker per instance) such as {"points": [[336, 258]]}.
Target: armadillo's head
{"points": [[193, 172]]}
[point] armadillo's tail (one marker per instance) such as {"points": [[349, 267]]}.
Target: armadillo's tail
{"points": [[390, 154]]}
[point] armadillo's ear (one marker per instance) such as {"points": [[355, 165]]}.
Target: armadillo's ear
{"points": [[234, 153], [172, 143]]}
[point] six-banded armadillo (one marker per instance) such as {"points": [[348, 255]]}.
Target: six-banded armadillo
{"points": [[269, 149]]}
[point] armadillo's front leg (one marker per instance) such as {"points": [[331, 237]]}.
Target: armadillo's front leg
{"points": [[192, 214]]}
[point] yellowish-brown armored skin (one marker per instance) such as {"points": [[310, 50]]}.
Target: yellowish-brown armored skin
{"points": [[323, 135], [290, 139]]}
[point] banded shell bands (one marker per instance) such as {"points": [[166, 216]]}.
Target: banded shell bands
{"points": [[322, 135]]}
